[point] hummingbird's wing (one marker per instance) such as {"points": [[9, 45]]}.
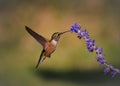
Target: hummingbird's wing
{"points": [[38, 37], [42, 57]]}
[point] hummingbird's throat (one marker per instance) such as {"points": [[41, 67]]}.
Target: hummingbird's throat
{"points": [[54, 42]]}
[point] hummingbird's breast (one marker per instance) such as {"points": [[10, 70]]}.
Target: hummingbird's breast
{"points": [[50, 48]]}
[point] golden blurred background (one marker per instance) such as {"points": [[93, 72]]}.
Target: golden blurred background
{"points": [[71, 64]]}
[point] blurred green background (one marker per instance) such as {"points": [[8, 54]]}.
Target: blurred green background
{"points": [[71, 64]]}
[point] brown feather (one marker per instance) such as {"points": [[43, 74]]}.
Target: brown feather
{"points": [[38, 37]]}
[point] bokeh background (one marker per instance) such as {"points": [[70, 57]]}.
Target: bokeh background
{"points": [[71, 64]]}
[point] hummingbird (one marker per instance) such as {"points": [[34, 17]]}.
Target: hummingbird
{"points": [[49, 46]]}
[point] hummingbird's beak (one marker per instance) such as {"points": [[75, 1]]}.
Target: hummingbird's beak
{"points": [[64, 32]]}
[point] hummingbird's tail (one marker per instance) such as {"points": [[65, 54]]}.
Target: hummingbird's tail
{"points": [[40, 61]]}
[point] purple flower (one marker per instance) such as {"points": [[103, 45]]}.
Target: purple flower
{"points": [[113, 73], [92, 47], [106, 70], [75, 28], [102, 62], [80, 35], [100, 57], [83, 33], [99, 50], [90, 42], [111, 69], [95, 48]]}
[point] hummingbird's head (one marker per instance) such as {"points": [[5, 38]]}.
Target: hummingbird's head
{"points": [[56, 35]]}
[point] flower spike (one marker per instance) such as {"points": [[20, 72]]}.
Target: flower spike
{"points": [[92, 47]]}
